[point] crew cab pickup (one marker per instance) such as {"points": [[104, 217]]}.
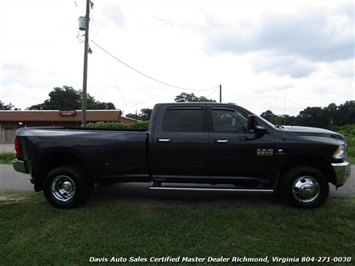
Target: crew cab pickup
{"points": [[188, 146]]}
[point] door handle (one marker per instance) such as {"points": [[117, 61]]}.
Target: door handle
{"points": [[221, 141], [163, 140]]}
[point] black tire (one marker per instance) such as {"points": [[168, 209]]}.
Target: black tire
{"points": [[305, 187], [66, 187]]}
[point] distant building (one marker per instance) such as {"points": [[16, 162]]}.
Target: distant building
{"points": [[10, 121], [128, 120]]}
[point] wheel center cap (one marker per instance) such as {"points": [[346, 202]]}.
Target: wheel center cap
{"points": [[308, 190], [67, 186]]}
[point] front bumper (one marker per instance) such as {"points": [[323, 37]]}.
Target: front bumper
{"points": [[19, 166], [342, 172]]}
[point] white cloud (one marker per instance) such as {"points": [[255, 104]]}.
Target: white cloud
{"points": [[318, 35], [258, 50], [290, 65]]}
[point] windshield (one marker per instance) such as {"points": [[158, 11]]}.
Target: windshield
{"points": [[266, 122]]}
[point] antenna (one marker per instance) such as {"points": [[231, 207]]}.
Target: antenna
{"points": [[285, 108]]}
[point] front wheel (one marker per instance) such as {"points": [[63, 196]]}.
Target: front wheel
{"points": [[66, 187], [305, 187]]}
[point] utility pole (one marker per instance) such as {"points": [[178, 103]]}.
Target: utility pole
{"points": [[220, 93], [85, 75]]}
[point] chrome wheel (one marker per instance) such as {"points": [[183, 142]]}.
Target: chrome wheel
{"points": [[306, 189], [63, 188], [66, 186]]}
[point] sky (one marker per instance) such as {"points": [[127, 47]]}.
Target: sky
{"points": [[282, 56]]}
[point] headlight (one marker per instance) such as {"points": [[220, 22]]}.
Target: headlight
{"points": [[340, 152]]}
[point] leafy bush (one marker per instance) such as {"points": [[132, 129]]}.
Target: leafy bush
{"points": [[115, 125], [139, 125]]}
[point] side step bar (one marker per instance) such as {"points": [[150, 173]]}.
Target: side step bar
{"points": [[211, 189]]}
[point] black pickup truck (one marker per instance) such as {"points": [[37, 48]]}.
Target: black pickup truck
{"points": [[195, 146]]}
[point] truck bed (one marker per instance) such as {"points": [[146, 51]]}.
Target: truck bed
{"points": [[106, 153]]}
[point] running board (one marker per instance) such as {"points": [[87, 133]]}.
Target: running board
{"points": [[211, 189]]}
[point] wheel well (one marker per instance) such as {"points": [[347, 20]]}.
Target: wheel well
{"points": [[308, 160], [55, 160]]}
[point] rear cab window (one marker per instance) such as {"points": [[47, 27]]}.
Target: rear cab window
{"points": [[185, 119]]}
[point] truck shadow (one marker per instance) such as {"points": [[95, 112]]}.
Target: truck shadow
{"points": [[139, 192]]}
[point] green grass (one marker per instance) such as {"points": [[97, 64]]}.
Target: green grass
{"points": [[110, 225], [349, 132], [7, 157]]}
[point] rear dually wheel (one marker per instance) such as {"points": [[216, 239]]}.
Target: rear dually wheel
{"points": [[66, 186]]}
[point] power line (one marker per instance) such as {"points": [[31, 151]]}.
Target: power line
{"points": [[147, 76], [212, 92]]}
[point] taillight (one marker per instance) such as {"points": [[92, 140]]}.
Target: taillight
{"points": [[18, 147]]}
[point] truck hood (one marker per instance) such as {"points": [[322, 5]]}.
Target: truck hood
{"points": [[311, 132]]}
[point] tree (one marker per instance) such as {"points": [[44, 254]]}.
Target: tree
{"points": [[331, 117], [268, 115], [144, 115], [277, 119], [67, 98], [331, 112], [313, 117], [185, 97], [4, 106], [92, 104], [346, 113]]}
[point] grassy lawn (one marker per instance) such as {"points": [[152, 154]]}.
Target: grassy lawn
{"points": [[349, 132], [7, 157], [110, 225]]}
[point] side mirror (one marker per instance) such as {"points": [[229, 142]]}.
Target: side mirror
{"points": [[251, 123], [253, 127]]}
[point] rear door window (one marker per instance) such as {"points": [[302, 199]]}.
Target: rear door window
{"points": [[183, 119]]}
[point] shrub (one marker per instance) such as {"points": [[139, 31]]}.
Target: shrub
{"points": [[139, 125], [349, 132], [116, 125]]}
